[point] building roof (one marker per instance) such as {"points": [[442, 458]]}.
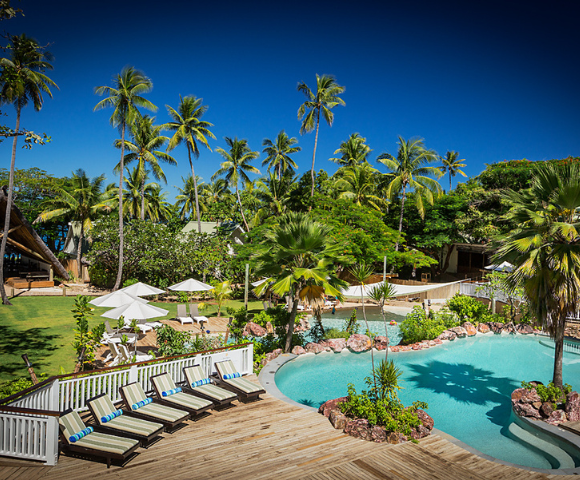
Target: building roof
{"points": [[211, 227], [72, 240]]}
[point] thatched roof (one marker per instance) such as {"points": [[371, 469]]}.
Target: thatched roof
{"points": [[25, 239]]}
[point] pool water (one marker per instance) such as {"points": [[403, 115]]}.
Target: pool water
{"points": [[467, 384]]}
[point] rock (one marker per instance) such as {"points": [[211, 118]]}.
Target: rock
{"points": [[509, 328], [406, 348], [336, 344], [469, 328], [524, 329], [420, 432], [381, 342], [313, 348], [537, 405], [517, 394], [438, 341], [423, 345], [425, 419], [447, 335], [416, 346], [378, 434], [269, 327], [526, 410], [330, 405], [459, 331], [432, 343], [359, 429], [483, 328], [394, 348], [546, 409], [496, 327], [298, 350], [304, 324], [338, 419], [522, 395], [359, 343], [254, 330], [557, 417], [393, 438], [573, 406], [272, 355]]}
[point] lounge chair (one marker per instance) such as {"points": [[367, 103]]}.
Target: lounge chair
{"points": [[172, 396], [111, 420], [232, 380], [115, 336], [182, 315], [140, 406], [127, 356], [204, 387], [194, 312], [115, 357], [76, 437]]}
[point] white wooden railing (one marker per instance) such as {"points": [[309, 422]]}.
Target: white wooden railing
{"points": [[29, 423], [471, 289]]}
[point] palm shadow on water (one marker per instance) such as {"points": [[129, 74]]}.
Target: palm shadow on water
{"points": [[468, 384]]}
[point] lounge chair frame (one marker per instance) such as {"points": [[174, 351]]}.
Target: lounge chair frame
{"points": [[220, 404], [244, 397], [193, 412]]}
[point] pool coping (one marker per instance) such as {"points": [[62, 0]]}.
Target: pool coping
{"points": [[267, 379]]}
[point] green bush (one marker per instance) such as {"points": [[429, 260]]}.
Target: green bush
{"points": [[335, 333], [172, 342], [549, 393], [262, 318], [418, 326], [351, 325], [468, 309], [14, 386]]}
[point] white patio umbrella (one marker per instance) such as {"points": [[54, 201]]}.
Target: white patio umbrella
{"points": [[190, 285], [502, 267], [116, 299], [140, 289], [136, 310]]}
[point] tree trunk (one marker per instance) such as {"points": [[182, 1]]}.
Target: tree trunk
{"points": [[449, 181], [121, 235], [290, 326], [401, 218], [79, 252], [241, 209], [279, 170], [314, 152], [143, 197], [559, 341], [382, 305], [362, 299], [195, 190], [5, 300]]}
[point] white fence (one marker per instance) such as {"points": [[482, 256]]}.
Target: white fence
{"points": [[34, 436], [471, 289]]}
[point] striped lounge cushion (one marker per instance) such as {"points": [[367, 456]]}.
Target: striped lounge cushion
{"points": [[216, 392], [244, 385], [107, 443], [164, 383]]}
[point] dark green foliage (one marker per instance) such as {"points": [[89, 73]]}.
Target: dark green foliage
{"points": [[15, 386], [89, 340], [550, 393], [172, 342], [419, 326], [468, 309], [351, 325], [335, 333]]}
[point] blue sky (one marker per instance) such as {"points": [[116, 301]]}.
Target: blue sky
{"points": [[493, 80]]}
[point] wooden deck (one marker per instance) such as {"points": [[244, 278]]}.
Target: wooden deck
{"points": [[272, 439]]}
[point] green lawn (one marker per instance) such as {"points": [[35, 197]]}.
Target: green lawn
{"points": [[42, 327]]}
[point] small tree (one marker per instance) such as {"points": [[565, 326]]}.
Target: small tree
{"points": [[380, 293], [221, 292], [84, 338]]}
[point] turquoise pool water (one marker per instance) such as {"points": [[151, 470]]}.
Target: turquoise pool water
{"points": [[467, 384]]}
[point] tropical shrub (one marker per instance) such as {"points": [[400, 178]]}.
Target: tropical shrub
{"points": [[351, 325], [419, 326], [467, 308], [84, 338], [17, 385], [550, 393], [172, 342], [335, 333]]}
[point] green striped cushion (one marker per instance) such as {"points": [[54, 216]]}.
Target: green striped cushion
{"points": [[215, 392], [71, 423], [162, 412], [244, 385], [163, 383], [134, 393], [194, 374], [225, 367], [188, 401], [107, 443], [102, 407], [134, 425]]}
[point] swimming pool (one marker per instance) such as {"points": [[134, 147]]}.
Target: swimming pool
{"points": [[467, 384]]}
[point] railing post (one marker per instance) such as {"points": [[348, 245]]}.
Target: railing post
{"points": [[53, 396], [133, 376], [52, 440], [249, 358]]}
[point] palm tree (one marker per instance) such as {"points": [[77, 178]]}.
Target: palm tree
{"points": [[452, 164], [124, 97], [146, 139], [81, 201], [273, 194], [353, 151], [409, 170], [236, 166], [278, 153], [217, 191], [380, 293], [545, 249], [190, 129], [325, 99], [358, 183], [298, 258], [186, 198]]}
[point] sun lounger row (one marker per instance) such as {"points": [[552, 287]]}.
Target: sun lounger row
{"points": [[192, 316], [117, 433]]}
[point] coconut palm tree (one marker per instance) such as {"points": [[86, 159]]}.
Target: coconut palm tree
{"points": [[124, 97], [237, 166], [186, 197], [353, 151], [82, 201], [189, 128], [358, 183], [297, 257], [545, 249], [217, 191], [146, 139], [324, 100], [273, 194], [278, 153], [410, 170], [22, 80], [451, 165]]}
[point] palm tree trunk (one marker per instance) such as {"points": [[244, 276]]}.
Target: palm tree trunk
{"points": [[449, 182], [558, 355], [314, 152], [5, 300], [79, 251], [290, 326], [401, 218], [241, 209], [279, 170], [121, 235], [362, 299], [382, 306], [195, 190], [143, 197]]}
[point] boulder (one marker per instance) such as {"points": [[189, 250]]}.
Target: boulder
{"points": [[416, 346], [509, 328], [517, 394], [406, 348], [459, 331], [338, 419], [573, 406], [381, 342], [273, 354], [425, 419], [437, 341], [537, 405], [546, 409], [359, 343], [522, 395], [432, 343], [254, 330], [469, 328], [330, 405], [395, 438], [526, 410], [313, 348], [359, 429], [304, 324], [420, 432], [298, 350], [557, 417], [524, 329], [424, 344], [496, 327], [336, 344], [395, 348], [378, 434], [447, 335], [483, 328]]}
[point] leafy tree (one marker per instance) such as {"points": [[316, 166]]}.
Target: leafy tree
{"points": [[187, 198], [358, 184], [124, 97], [22, 80], [409, 169], [353, 151], [273, 194], [300, 199], [189, 128], [146, 139], [278, 153], [324, 100], [452, 165], [237, 166], [221, 292]]}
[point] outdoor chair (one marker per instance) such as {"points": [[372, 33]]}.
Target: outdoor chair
{"points": [[182, 315], [172, 396], [202, 386], [109, 419], [115, 356], [115, 336], [77, 438], [194, 313], [127, 357], [232, 380], [140, 406]]}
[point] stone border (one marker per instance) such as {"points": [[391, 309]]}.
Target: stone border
{"points": [[267, 379]]}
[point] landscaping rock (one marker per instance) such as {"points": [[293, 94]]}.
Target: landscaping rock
{"points": [[557, 417], [459, 331], [330, 405], [522, 395], [509, 328], [359, 343], [395, 438], [470, 329], [254, 330], [432, 343], [336, 344], [420, 432], [426, 420], [313, 348], [405, 348], [381, 342], [496, 327], [359, 429], [526, 410], [395, 348], [438, 341], [424, 344], [338, 419], [537, 405], [416, 346], [272, 355], [573, 406], [546, 409], [304, 324], [447, 335], [524, 329], [483, 328], [378, 434], [298, 350]]}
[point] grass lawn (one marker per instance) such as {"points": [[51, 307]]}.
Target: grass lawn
{"points": [[42, 327]]}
